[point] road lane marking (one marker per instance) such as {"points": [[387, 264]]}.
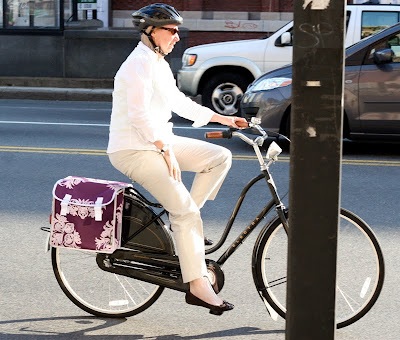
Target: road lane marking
{"points": [[54, 108], [51, 123], [97, 125], [100, 152]]}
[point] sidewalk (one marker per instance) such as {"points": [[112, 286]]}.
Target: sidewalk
{"points": [[56, 89], [71, 89]]}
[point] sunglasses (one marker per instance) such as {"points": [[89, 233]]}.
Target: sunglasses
{"points": [[172, 30]]}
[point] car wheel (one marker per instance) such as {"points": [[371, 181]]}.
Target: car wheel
{"points": [[287, 126], [222, 93]]}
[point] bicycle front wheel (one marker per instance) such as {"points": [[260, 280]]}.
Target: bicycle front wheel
{"points": [[99, 292], [360, 268]]}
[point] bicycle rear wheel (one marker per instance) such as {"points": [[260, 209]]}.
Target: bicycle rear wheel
{"points": [[360, 268], [99, 292]]}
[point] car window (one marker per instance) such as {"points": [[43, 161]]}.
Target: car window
{"points": [[373, 22], [392, 42]]}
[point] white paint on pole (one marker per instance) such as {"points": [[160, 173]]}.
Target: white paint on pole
{"points": [[316, 4], [313, 83], [312, 132]]}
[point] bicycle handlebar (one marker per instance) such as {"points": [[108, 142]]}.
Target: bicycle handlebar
{"points": [[242, 124], [225, 133], [219, 134]]}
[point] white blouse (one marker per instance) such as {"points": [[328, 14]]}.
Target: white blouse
{"points": [[144, 95]]}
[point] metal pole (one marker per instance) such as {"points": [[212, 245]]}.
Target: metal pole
{"points": [[5, 11], [315, 175], [74, 10]]}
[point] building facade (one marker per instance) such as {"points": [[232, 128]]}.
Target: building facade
{"points": [[216, 20]]}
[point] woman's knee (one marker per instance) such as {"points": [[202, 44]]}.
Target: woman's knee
{"points": [[225, 156]]}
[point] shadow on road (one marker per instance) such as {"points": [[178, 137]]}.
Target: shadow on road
{"points": [[42, 328]]}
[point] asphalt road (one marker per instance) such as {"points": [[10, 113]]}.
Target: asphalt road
{"points": [[41, 142]]}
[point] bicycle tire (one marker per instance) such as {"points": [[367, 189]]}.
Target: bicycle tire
{"points": [[359, 279], [98, 292]]}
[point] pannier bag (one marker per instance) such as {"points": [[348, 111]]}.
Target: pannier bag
{"points": [[87, 214]]}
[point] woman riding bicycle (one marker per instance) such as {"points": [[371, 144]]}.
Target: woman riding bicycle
{"points": [[143, 146]]}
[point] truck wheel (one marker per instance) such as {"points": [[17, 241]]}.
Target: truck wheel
{"points": [[223, 92]]}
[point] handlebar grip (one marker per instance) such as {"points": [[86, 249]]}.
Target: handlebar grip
{"points": [[242, 124], [218, 134]]}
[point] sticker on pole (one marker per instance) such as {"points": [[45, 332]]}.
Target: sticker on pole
{"points": [[316, 4]]}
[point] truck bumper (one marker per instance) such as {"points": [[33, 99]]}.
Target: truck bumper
{"points": [[187, 81]]}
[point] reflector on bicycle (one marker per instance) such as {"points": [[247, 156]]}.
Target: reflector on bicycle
{"points": [[87, 214]]}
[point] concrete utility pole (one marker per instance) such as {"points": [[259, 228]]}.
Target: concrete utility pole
{"points": [[315, 175]]}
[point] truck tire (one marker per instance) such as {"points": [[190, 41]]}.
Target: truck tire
{"points": [[223, 92]]}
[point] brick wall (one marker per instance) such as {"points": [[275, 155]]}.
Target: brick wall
{"points": [[136, 4], [232, 6], [212, 5], [211, 21], [285, 6]]}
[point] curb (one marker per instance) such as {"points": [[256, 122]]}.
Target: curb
{"points": [[51, 93], [62, 94]]}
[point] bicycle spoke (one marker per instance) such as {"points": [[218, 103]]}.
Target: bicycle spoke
{"points": [[98, 291], [360, 268], [344, 297]]}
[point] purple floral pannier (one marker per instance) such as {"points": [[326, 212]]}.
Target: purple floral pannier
{"points": [[87, 214]]}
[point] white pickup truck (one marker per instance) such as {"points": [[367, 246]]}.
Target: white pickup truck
{"points": [[221, 72]]}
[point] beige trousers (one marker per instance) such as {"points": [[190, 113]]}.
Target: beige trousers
{"points": [[148, 168]]}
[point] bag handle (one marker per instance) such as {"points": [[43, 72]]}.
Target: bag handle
{"points": [[64, 204], [98, 211]]}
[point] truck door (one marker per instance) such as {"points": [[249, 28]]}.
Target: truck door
{"points": [[278, 51]]}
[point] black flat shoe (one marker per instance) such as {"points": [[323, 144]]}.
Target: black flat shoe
{"points": [[208, 242], [216, 310]]}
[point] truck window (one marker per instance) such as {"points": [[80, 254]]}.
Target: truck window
{"points": [[348, 13], [373, 22]]}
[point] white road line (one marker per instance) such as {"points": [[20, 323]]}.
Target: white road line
{"points": [[99, 125], [51, 123], [54, 108]]}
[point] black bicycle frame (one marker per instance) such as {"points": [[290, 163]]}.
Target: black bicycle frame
{"points": [[164, 270], [275, 201]]}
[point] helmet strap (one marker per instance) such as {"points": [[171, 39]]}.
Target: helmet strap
{"points": [[156, 48]]}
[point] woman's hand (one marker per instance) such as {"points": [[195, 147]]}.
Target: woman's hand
{"points": [[170, 159], [227, 120], [173, 166]]}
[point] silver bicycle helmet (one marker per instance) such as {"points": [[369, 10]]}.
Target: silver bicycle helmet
{"points": [[156, 15]]}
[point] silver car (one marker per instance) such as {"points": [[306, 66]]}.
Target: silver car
{"points": [[371, 91]]}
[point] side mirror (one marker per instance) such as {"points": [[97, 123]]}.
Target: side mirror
{"points": [[284, 40], [383, 56]]}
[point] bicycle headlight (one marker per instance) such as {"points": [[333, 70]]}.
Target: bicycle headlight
{"points": [[270, 84]]}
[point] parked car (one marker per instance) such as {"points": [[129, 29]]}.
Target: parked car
{"points": [[371, 90], [221, 72]]}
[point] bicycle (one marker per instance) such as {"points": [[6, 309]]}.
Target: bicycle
{"points": [[131, 279]]}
